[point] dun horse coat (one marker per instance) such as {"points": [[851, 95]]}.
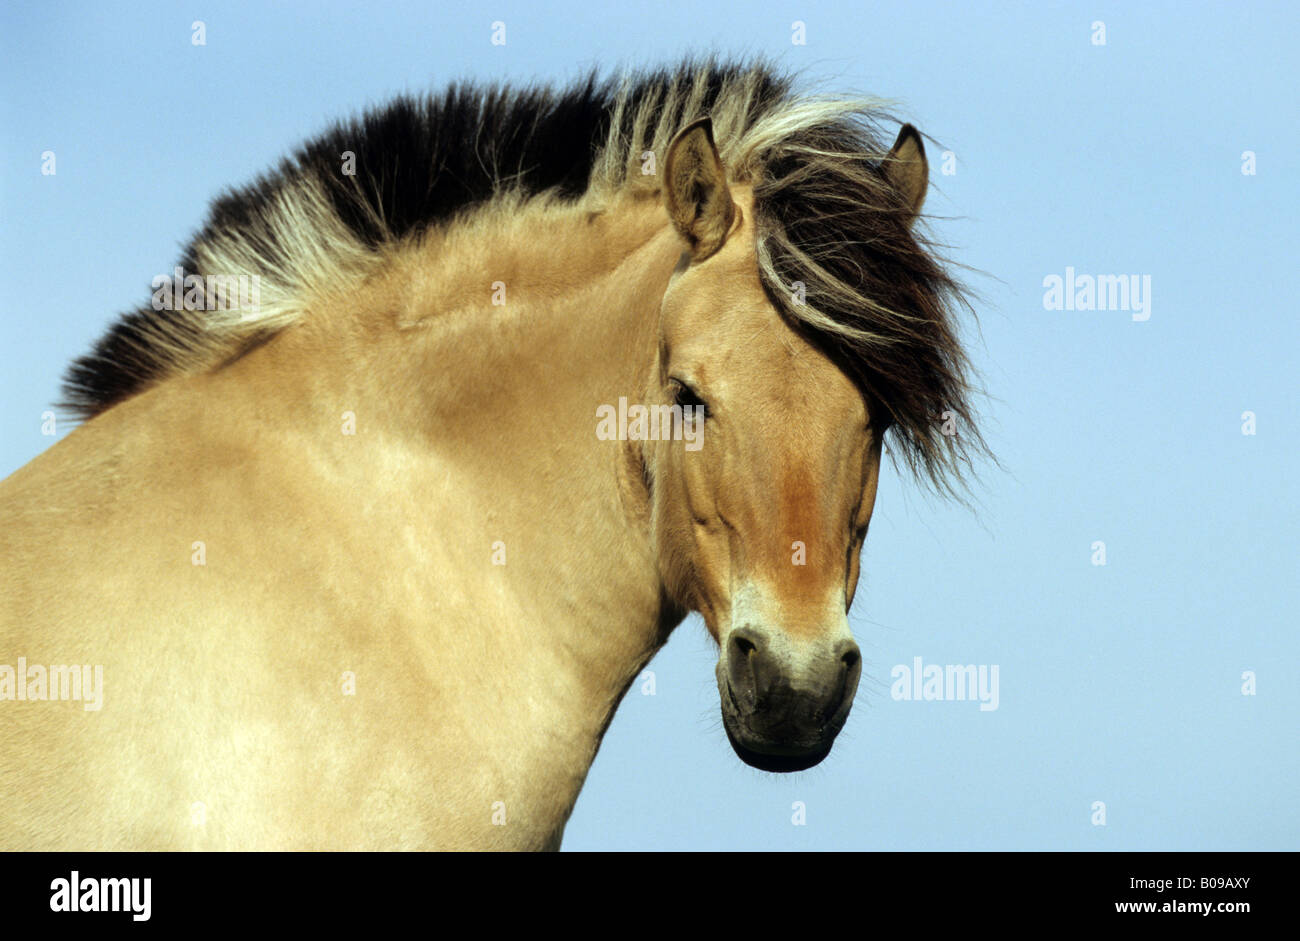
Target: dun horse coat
{"points": [[356, 564]]}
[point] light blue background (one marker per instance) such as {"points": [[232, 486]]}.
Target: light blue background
{"points": [[1118, 683]]}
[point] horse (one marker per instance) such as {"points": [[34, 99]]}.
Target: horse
{"points": [[357, 553]]}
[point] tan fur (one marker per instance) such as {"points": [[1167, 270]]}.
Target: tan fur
{"points": [[481, 689], [371, 553]]}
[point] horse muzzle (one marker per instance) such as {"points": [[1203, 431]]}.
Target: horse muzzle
{"points": [[781, 706]]}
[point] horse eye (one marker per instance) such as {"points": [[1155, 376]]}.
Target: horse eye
{"points": [[685, 396]]}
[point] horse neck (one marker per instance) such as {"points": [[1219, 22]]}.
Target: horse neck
{"points": [[479, 358]]}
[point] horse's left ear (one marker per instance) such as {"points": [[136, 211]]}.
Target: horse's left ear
{"points": [[695, 191], [906, 169]]}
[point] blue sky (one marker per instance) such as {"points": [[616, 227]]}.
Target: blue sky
{"points": [[1119, 683]]}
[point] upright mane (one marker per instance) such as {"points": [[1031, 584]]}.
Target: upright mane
{"points": [[835, 250]]}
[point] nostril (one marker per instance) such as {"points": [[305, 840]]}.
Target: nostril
{"points": [[749, 670], [839, 702]]}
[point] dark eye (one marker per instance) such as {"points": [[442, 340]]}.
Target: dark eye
{"points": [[684, 395]]}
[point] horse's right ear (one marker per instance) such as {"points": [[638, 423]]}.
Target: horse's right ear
{"points": [[906, 169], [695, 191]]}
